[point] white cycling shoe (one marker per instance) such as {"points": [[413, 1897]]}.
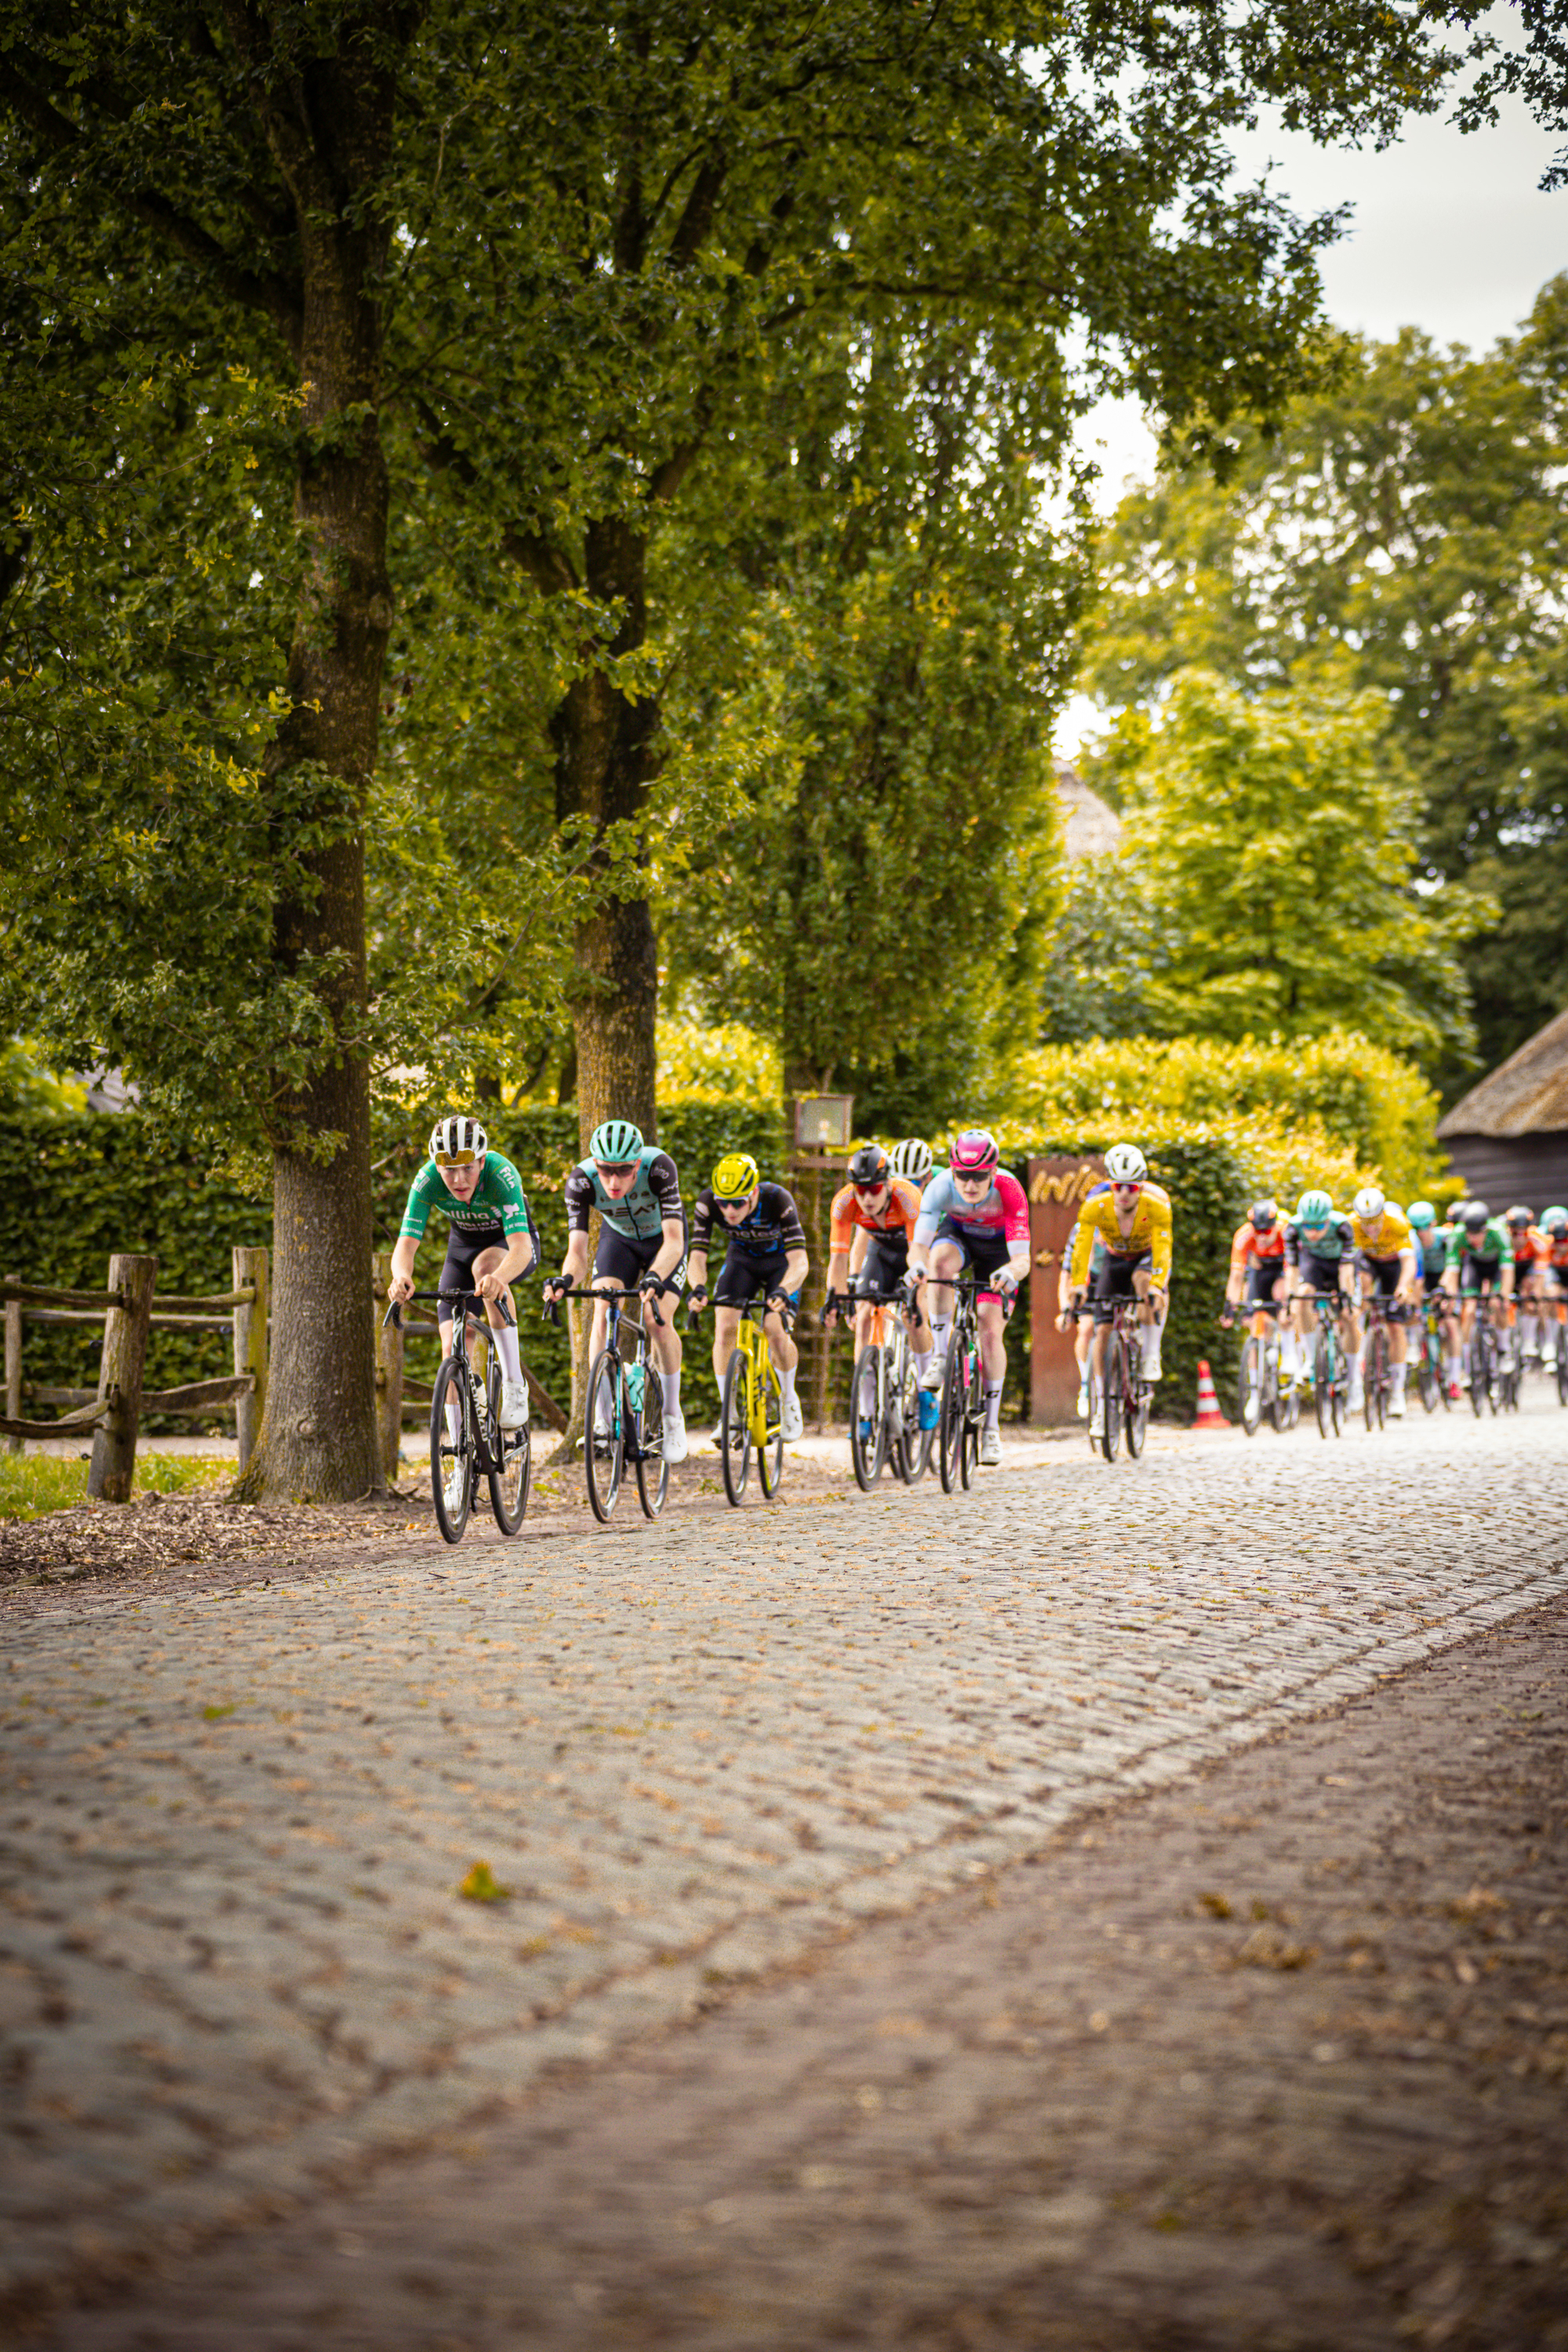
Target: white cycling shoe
{"points": [[990, 1448], [676, 1445], [513, 1414], [791, 1423], [1397, 1405], [1083, 1402]]}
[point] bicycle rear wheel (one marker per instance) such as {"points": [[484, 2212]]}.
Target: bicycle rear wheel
{"points": [[646, 1428], [974, 1414], [1136, 1414], [509, 1485], [604, 1450], [867, 1430], [1476, 1372], [1429, 1380], [1249, 1386], [1323, 1383], [770, 1452], [1562, 1364], [735, 1429], [452, 1455]]}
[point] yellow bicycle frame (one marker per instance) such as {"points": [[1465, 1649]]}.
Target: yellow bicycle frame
{"points": [[762, 1377]]}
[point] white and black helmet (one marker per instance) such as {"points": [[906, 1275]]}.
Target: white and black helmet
{"points": [[1125, 1165], [458, 1141], [1370, 1204], [911, 1159]]}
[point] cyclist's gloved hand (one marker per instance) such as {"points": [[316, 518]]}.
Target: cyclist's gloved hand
{"points": [[651, 1286], [697, 1298], [911, 1284], [1005, 1284], [779, 1299], [1226, 1316]]}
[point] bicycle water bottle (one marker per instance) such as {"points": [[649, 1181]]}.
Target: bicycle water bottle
{"points": [[636, 1374]]}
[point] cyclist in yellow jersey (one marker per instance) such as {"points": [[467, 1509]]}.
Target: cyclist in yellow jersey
{"points": [[1384, 1255], [1132, 1219]]}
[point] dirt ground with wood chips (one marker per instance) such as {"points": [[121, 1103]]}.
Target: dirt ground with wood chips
{"points": [[1272, 2060]]}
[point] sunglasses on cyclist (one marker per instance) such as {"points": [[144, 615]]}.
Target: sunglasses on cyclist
{"points": [[879, 1186], [456, 1159], [1128, 1188], [972, 1176], [615, 1166]]}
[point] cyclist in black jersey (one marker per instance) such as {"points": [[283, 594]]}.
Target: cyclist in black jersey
{"points": [[765, 1251]]}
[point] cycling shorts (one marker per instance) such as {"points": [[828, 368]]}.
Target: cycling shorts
{"points": [[885, 1263], [1260, 1281], [1385, 1270], [1320, 1273], [1481, 1273], [983, 1253], [462, 1249], [743, 1274], [1434, 1283], [621, 1260], [1114, 1280]]}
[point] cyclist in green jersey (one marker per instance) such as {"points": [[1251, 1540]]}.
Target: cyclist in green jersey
{"points": [[1481, 1265], [491, 1241]]}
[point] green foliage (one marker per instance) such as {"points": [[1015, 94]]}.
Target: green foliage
{"points": [[1274, 845], [34, 1483], [1406, 532], [1335, 1109]]}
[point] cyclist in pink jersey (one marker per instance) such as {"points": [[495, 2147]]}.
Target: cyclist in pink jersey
{"points": [[973, 1214]]}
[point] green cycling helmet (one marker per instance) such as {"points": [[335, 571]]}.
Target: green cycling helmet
{"points": [[615, 1142], [1421, 1213], [1314, 1209]]}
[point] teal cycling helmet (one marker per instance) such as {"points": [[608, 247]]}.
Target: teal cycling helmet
{"points": [[1314, 1209], [615, 1142], [1421, 1213]]}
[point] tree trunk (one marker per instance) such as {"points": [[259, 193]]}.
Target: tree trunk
{"points": [[318, 1435]]}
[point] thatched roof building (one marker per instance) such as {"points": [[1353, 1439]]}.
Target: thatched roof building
{"points": [[1508, 1136]]}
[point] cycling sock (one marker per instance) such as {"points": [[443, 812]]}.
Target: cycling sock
{"points": [[1397, 1372], [1455, 1367], [506, 1340], [993, 1403], [670, 1388], [786, 1385], [924, 1362], [942, 1331]]}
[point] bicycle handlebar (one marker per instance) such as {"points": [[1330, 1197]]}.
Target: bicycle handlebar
{"points": [[394, 1314]]}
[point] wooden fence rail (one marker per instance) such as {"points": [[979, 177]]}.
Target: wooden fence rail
{"points": [[130, 1310]]}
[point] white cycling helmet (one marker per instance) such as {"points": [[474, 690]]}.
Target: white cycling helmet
{"points": [[458, 1141], [1370, 1204], [911, 1159], [1125, 1165]]}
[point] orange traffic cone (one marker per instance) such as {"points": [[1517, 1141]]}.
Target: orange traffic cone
{"points": [[1209, 1413]]}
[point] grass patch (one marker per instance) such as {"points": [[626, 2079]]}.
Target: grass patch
{"points": [[34, 1483]]}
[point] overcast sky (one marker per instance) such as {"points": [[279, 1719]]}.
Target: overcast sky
{"points": [[1449, 234]]}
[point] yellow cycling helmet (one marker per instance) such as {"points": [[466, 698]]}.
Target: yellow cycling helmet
{"points": [[736, 1176]]}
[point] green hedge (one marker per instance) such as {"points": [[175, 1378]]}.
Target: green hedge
{"points": [[78, 1186]]}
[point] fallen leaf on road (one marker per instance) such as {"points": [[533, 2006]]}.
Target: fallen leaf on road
{"points": [[1216, 1906], [481, 1886], [1267, 1948]]}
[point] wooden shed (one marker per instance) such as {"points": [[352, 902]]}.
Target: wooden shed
{"points": [[1508, 1137]]}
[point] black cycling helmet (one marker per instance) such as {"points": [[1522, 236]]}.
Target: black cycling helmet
{"points": [[1474, 1215], [870, 1165], [1518, 1216], [1265, 1216]]}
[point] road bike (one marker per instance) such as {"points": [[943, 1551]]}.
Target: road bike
{"points": [[623, 1419], [961, 1418], [467, 1440], [1490, 1364], [751, 1413], [1127, 1393], [1378, 1369], [1330, 1367], [891, 1434], [1431, 1365], [1263, 1393]]}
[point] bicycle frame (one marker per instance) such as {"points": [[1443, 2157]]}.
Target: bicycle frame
{"points": [[635, 1429]]}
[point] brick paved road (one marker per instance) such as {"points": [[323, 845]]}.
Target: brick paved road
{"points": [[235, 1960]]}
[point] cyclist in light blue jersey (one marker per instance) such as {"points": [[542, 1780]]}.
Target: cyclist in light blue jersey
{"points": [[635, 1188]]}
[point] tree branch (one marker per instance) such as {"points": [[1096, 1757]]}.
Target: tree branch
{"points": [[549, 567]]}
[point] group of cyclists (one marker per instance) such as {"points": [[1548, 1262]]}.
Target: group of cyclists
{"points": [[1513, 1269], [902, 1232]]}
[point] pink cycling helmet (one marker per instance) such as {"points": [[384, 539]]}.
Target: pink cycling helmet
{"points": [[974, 1153]]}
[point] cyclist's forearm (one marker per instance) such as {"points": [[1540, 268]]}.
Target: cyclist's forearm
{"points": [[838, 1267], [671, 1249], [576, 1262], [797, 1265], [518, 1259], [697, 1270], [404, 1255]]}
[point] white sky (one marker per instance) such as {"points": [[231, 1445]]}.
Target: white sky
{"points": [[1449, 234]]}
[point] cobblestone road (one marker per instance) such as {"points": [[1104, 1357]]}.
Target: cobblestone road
{"points": [[235, 1960]]}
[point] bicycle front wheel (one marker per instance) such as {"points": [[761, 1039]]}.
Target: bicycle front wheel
{"points": [[1111, 1434], [647, 1429], [1137, 1400], [770, 1452], [950, 1425], [904, 1418], [1562, 1364], [866, 1429], [604, 1443], [735, 1428], [1430, 1379], [1323, 1383], [1374, 1379], [452, 1449], [974, 1414]]}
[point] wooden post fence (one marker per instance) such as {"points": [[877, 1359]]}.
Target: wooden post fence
{"points": [[388, 1369], [251, 1347], [14, 1364], [113, 1465]]}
